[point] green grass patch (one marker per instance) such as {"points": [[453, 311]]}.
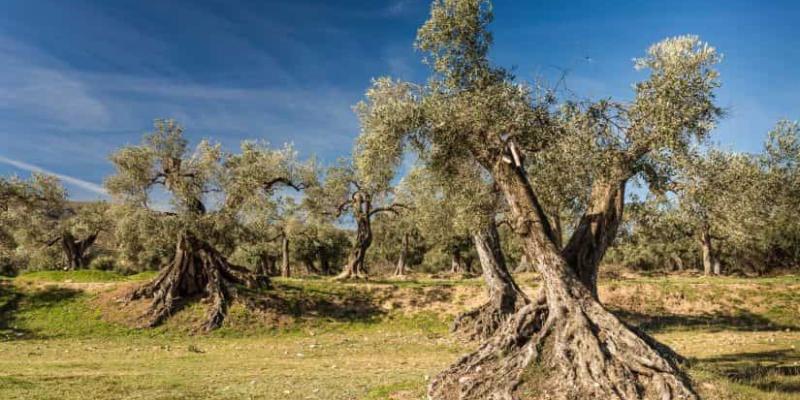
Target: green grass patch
{"points": [[340, 344], [82, 276]]}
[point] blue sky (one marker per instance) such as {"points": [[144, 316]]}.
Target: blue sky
{"points": [[80, 78]]}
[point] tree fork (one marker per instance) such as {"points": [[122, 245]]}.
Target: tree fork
{"points": [[588, 351], [75, 249]]}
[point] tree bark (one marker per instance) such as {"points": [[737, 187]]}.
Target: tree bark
{"points": [[505, 297], [324, 263], [285, 271], [400, 269], [197, 269], [558, 229], [456, 262], [266, 265], [356, 266], [468, 265], [310, 268], [677, 262], [75, 249], [596, 230], [565, 345], [711, 264]]}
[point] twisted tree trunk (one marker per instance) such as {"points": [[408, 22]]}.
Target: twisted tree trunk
{"points": [[456, 262], [565, 345], [505, 297], [75, 249], [356, 266], [310, 268], [285, 271], [711, 264], [324, 263], [400, 269], [265, 265], [197, 269], [596, 230]]}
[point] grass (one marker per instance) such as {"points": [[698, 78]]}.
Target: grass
{"points": [[741, 336], [82, 276]]}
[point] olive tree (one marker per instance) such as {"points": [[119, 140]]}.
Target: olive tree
{"points": [[29, 210], [360, 193], [46, 225], [230, 184], [781, 162], [473, 111], [720, 199]]}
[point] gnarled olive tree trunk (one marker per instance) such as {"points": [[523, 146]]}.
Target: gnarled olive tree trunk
{"points": [[711, 264], [565, 345], [197, 269], [400, 269], [356, 266], [505, 297], [265, 265], [596, 230], [75, 249], [456, 261], [285, 271]]}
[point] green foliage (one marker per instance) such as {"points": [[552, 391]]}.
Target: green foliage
{"points": [[245, 193], [744, 204]]}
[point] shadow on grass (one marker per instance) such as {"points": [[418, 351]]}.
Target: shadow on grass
{"points": [[348, 303], [741, 321], [769, 371], [343, 303], [348, 306], [12, 301]]}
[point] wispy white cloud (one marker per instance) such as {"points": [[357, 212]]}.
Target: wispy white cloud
{"points": [[86, 185], [35, 86]]}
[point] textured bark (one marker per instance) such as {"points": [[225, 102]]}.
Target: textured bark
{"points": [[310, 268], [596, 230], [324, 263], [356, 267], [505, 297], [677, 262], [400, 269], [196, 270], [266, 265], [711, 263], [75, 249], [558, 229], [565, 345], [285, 271], [456, 262]]}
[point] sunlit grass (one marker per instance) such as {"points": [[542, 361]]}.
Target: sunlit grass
{"points": [[57, 343]]}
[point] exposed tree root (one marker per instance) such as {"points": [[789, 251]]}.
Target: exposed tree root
{"points": [[569, 351], [482, 322], [196, 270], [351, 273], [505, 297]]}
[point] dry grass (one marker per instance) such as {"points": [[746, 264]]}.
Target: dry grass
{"points": [[316, 339]]}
